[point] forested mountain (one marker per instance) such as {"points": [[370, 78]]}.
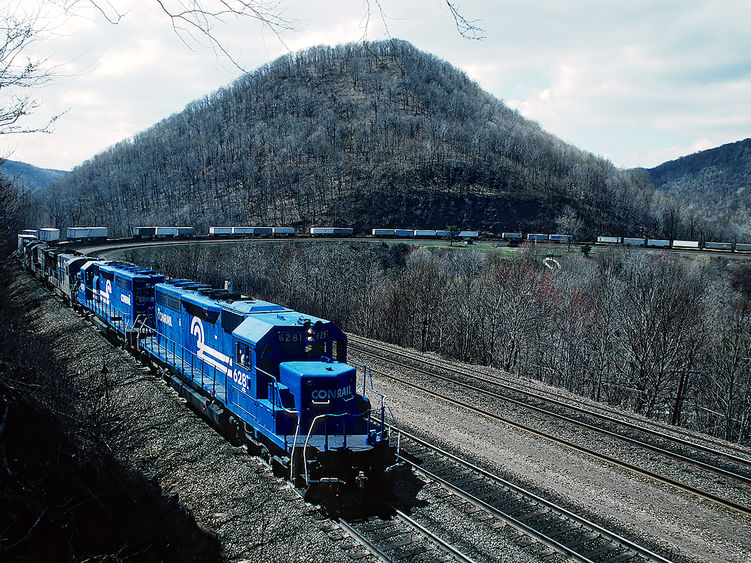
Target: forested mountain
{"points": [[716, 182], [375, 134], [28, 176]]}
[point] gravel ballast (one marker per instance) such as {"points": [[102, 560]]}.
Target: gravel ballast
{"points": [[676, 523], [254, 515]]}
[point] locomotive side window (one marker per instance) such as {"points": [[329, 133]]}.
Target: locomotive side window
{"points": [[337, 350], [243, 354]]}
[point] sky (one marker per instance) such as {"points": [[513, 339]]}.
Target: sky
{"points": [[639, 82]]}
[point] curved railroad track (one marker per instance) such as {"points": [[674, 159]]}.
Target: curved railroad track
{"points": [[736, 479]]}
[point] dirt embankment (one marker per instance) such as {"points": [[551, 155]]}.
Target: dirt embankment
{"points": [[98, 463]]}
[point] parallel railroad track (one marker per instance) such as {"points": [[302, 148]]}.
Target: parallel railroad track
{"points": [[562, 531], [732, 453], [742, 479]]}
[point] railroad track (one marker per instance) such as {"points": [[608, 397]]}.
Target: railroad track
{"points": [[402, 538], [737, 457], [561, 530], [741, 480]]}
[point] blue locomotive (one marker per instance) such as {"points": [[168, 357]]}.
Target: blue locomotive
{"points": [[267, 376]]}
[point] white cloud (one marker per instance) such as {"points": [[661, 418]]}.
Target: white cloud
{"points": [[635, 80], [127, 61]]}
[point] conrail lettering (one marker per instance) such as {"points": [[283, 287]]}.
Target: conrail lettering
{"points": [[324, 394], [162, 318]]}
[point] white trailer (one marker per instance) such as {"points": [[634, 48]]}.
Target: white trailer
{"points": [[83, 233], [284, 231], [686, 244], [609, 240], [49, 234]]}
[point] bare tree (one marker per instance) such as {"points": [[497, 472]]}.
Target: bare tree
{"points": [[18, 73]]}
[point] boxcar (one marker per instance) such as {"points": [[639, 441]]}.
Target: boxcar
{"points": [[658, 243], [512, 236], [284, 231], [425, 233], [560, 238], [469, 234], [537, 237], [220, 231]]}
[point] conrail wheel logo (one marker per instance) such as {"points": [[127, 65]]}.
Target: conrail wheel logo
{"points": [[215, 358], [104, 296]]}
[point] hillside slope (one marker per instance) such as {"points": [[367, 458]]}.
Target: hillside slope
{"points": [[30, 177], [716, 182], [378, 134]]}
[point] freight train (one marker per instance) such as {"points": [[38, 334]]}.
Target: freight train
{"points": [[88, 234], [267, 376]]}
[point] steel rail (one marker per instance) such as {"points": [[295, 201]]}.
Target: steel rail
{"points": [[680, 457], [369, 545], [597, 455], [565, 401], [517, 524], [447, 547]]}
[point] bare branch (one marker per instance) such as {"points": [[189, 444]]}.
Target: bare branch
{"points": [[467, 28]]}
